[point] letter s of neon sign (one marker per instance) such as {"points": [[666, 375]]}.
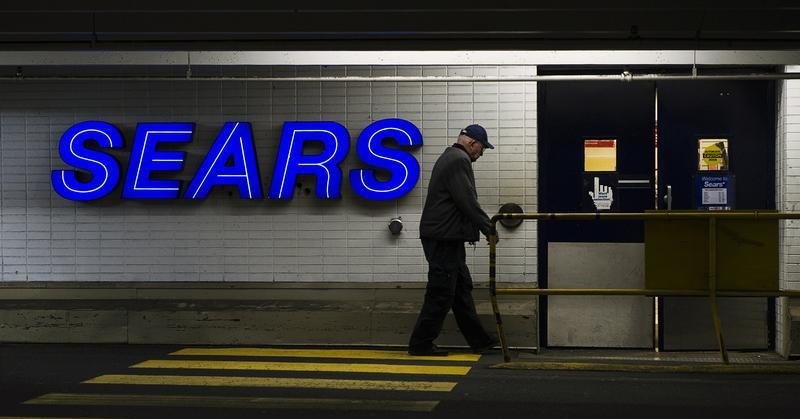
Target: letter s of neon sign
{"points": [[232, 161], [402, 166], [103, 169]]}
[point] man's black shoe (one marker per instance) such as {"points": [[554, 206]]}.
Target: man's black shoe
{"points": [[487, 347], [431, 351]]}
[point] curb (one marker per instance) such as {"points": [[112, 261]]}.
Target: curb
{"points": [[704, 368]]}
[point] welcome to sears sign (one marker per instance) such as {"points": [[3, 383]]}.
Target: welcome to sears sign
{"points": [[231, 160]]}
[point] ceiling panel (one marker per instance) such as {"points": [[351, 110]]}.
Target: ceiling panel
{"points": [[237, 24]]}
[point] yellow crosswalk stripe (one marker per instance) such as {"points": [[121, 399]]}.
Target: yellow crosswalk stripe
{"points": [[158, 400], [305, 366], [323, 353], [278, 382], [45, 417], [441, 367]]}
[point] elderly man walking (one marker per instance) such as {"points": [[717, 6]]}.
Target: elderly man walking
{"points": [[451, 217]]}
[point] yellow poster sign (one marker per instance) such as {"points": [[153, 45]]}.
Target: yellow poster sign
{"points": [[600, 155], [713, 153]]}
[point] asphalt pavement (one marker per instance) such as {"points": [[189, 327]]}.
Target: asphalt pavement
{"points": [[171, 381]]}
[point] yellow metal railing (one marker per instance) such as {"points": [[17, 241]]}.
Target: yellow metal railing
{"points": [[712, 292]]}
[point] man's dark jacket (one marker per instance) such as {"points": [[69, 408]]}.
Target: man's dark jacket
{"points": [[452, 211]]}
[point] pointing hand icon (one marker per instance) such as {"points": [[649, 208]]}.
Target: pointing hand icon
{"points": [[602, 195]]}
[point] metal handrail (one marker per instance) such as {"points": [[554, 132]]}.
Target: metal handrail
{"points": [[712, 292]]}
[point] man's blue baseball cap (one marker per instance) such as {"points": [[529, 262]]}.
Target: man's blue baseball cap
{"points": [[477, 133]]}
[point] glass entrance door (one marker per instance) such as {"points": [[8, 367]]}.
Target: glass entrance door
{"points": [[632, 147], [596, 154], [711, 134]]}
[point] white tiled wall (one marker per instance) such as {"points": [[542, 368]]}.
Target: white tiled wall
{"points": [[788, 195], [47, 238]]}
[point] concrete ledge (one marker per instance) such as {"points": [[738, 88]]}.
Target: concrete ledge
{"points": [[705, 368], [236, 313]]}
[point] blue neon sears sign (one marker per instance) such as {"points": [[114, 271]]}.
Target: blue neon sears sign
{"points": [[231, 161]]}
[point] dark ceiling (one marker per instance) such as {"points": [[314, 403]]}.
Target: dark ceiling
{"points": [[237, 24]]}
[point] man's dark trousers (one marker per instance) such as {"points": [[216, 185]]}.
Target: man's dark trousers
{"points": [[449, 286]]}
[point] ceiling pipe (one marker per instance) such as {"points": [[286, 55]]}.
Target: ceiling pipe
{"points": [[622, 77]]}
